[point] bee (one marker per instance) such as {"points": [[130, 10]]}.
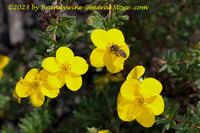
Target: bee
{"points": [[115, 49]]}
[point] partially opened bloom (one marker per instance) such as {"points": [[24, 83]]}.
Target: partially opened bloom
{"points": [[4, 60], [104, 131], [95, 130], [35, 85], [136, 72], [140, 100], [65, 68], [111, 50]]}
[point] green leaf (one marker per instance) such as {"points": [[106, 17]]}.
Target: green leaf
{"points": [[53, 22], [65, 23], [38, 32], [124, 18], [164, 67], [169, 69], [53, 41], [167, 125], [68, 18], [46, 42], [51, 28], [198, 109], [8, 129], [49, 50]]}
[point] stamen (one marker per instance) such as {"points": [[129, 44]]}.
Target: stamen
{"points": [[36, 84], [141, 100], [66, 67]]}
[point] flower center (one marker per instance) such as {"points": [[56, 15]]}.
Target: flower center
{"points": [[36, 84], [140, 100], [66, 68]]}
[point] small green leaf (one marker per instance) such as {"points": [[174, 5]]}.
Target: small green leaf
{"points": [[49, 50], [53, 41], [198, 109], [163, 68], [46, 42], [167, 125], [65, 23], [51, 28], [38, 32], [169, 69], [53, 22], [124, 18], [173, 123]]}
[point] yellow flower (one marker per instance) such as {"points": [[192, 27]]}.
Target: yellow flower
{"points": [[35, 85], [3, 63], [104, 131], [65, 68], [95, 130], [111, 49], [140, 100]]}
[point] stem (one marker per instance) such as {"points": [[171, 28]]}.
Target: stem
{"points": [[179, 62], [109, 11], [60, 2], [54, 35], [179, 120]]}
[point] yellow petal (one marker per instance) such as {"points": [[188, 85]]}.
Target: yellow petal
{"points": [[116, 36], [16, 96], [1, 74], [43, 75], [126, 108], [104, 131], [37, 98], [130, 89], [114, 64], [23, 88], [50, 64], [97, 57], [56, 80], [79, 65], [145, 116], [32, 75], [49, 92], [125, 48], [73, 81], [64, 55], [157, 105], [150, 87], [136, 72], [3, 61], [100, 38]]}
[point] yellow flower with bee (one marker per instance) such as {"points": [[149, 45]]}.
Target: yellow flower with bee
{"points": [[111, 50]]}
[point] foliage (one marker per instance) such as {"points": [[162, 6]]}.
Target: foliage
{"points": [[35, 122]]}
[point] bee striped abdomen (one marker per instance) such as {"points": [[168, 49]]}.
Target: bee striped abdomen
{"points": [[119, 52]]}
